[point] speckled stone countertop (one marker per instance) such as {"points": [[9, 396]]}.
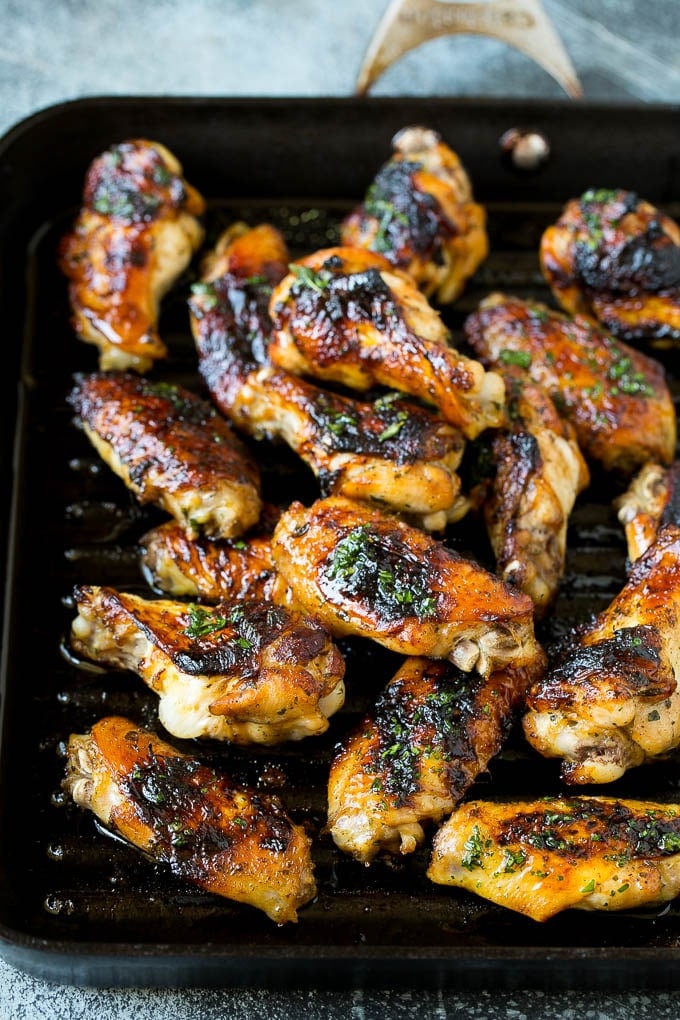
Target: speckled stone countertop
{"points": [[49, 52]]}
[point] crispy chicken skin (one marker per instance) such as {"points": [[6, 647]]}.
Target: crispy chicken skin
{"points": [[433, 731], [419, 213], [539, 471], [345, 315], [615, 397], [616, 258], [611, 701], [135, 235], [362, 572], [227, 839], [541, 857], [214, 571], [390, 451], [172, 449], [651, 501], [245, 672]]}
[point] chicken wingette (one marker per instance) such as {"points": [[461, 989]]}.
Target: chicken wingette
{"points": [[615, 397], [433, 731], [651, 501], [245, 672], [616, 258], [538, 471], [390, 451], [544, 856], [227, 839], [420, 214], [172, 449], [362, 572], [345, 315], [135, 235], [611, 700]]}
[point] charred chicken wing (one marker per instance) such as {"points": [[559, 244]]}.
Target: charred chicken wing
{"points": [[612, 701], [170, 448], [419, 213], [134, 237], [345, 315], [227, 839], [390, 451], [651, 501], [434, 729], [615, 258], [248, 672], [615, 397], [539, 471], [362, 572], [543, 856]]}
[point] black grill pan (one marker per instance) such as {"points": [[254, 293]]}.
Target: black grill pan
{"points": [[77, 906]]}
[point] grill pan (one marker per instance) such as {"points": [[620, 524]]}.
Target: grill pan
{"points": [[78, 906]]}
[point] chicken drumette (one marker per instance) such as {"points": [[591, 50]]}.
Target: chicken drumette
{"points": [[134, 237]]}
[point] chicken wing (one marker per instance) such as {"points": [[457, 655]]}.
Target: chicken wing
{"points": [[651, 501], [248, 672], [615, 397], [346, 316], [539, 471], [433, 731], [543, 856], [616, 258], [134, 237], [364, 573], [172, 449], [612, 700], [390, 451], [226, 839], [419, 213]]}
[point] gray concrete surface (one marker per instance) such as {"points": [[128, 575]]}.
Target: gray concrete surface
{"points": [[52, 50]]}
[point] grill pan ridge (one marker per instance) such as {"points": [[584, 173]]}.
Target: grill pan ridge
{"points": [[77, 905]]}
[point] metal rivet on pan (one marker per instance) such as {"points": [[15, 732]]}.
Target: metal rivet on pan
{"points": [[527, 149]]}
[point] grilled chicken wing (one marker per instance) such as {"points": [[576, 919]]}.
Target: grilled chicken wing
{"points": [[391, 451], [134, 237], [543, 856], [612, 700], [539, 471], [651, 501], [347, 316], [616, 258], [615, 397], [215, 571], [433, 731], [228, 840], [364, 573], [248, 672], [419, 213], [171, 448]]}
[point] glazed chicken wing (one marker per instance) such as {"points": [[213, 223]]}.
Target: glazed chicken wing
{"points": [[419, 213], [615, 397], [612, 701], [134, 237], [390, 451], [248, 672], [543, 856], [170, 448], [539, 471], [433, 731], [347, 316], [651, 501], [362, 572], [616, 258], [226, 839]]}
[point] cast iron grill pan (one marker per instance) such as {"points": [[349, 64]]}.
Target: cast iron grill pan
{"points": [[79, 905]]}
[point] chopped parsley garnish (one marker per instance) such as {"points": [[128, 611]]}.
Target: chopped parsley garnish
{"points": [[386, 214], [599, 195], [202, 622], [340, 421], [308, 278], [394, 428], [520, 358], [474, 847], [589, 887], [206, 292], [626, 381], [512, 860]]}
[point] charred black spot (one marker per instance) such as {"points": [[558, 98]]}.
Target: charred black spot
{"points": [[410, 221], [131, 183], [671, 511], [632, 655], [302, 644]]}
